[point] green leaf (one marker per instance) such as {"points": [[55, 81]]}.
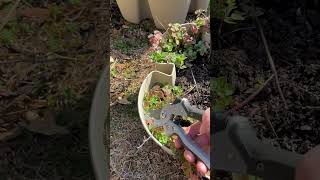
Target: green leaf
{"points": [[71, 27], [54, 43], [237, 16], [74, 2]]}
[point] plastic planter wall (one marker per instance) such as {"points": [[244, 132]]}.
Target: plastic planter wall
{"points": [[164, 74], [162, 12], [97, 122]]}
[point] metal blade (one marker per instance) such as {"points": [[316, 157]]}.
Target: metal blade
{"points": [[155, 113]]}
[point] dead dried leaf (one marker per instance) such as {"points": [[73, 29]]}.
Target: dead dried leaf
{"points": [[123, 101], [6, 93], [45, 125], [38, 103], [37, 13], [8, 135], [31, 116], [111, 59]]}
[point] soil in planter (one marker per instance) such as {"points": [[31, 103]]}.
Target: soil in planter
{"points": [[195, 82]]}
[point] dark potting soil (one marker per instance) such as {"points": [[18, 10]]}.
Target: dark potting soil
{"points": [[292, 33], [294, 41], [195, 82]]}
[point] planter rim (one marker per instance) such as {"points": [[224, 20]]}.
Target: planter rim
{"points": [[142, 115], [97, 128]]}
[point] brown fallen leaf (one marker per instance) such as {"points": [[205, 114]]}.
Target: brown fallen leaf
{"points": [[123, 101], [37, 13], [45, 125], [38, 103], [8, 135]]}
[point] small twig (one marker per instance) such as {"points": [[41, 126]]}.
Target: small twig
{"points": [[194, 81], [240, 29], [312, 107], [49, 58], [144, 141], [188, 91], [273, 67], [10, 13], [305, 90], [252, 96], [269, 122]]}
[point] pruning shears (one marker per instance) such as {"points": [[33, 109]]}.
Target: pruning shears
{"points": [[165, 117], [237, 149]]}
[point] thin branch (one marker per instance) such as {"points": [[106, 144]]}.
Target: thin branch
{"points": [[251, 97], [194, 81], [188, 91], [273, 67], [269, 122], [144, 141], [49, 58], [10, 13], [239, 29]]}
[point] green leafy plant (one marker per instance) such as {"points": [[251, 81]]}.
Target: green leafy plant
{"points": [[160, 136], [162, 57], [161, 95], [155, 99], [180, 42], [227, 10], [222, 92], [74, 2], [9, 33]]}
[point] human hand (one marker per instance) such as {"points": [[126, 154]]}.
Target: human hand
{"points": [[309, 167], [200, 133]]}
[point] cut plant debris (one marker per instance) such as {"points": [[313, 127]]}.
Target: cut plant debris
{"points": [[161, 95]]}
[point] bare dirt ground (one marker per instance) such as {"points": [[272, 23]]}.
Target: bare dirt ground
{"points": [[51, 55]]}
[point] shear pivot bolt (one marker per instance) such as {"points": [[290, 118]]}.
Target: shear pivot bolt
{"points": [[260, 167]]}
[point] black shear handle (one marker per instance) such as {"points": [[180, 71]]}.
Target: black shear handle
{"points": [[262, 159]]}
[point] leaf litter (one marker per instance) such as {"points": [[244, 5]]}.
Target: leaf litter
{"points": [[50, 62]]}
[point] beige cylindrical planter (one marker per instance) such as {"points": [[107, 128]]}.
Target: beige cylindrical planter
{"points": [[134, 10], [198, 4], [97, 130], [162, 12], [168, 11], [165, 74]]}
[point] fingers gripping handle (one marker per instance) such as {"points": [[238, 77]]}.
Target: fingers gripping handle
{"points": [[189, 144]]}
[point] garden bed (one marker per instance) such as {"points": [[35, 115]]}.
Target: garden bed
{"points": [[292, 32], [130, 65]]}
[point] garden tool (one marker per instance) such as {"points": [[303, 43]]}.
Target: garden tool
{"points": [[237, 149], [165, 118]]}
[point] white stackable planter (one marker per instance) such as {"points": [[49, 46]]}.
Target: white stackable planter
{"points": [[162, 12], [168, 11], [198, 4], [134, 10], [97, 127], [164, 74]]}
